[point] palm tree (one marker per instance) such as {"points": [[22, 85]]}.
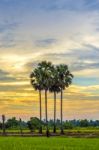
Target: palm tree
{"points": [[36, 81], [3, 124], [55, 89], [64, 80], [47, 69], [20, 124]]}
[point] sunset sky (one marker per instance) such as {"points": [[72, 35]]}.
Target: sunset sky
{"points": [[60, 31]]}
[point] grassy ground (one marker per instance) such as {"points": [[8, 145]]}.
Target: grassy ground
{"points": [[77, 129], [52, 143]]}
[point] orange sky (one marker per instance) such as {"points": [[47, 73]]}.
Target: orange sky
{"points": [[57, 31]]}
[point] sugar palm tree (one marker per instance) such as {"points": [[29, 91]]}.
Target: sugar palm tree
{"points": [[64, 80], [20, 125], [36, 81], [54, 89], [47, 69], [3, 124]]}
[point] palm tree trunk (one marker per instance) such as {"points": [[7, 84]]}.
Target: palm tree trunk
{"points": [[62, 111], [3, 124], [20, 124], [54, 112], [40, 130], [47, 131]]}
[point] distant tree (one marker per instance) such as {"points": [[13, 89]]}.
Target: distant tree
{"points": [[68, 125], [34, 123], [84, 123], [97, 123], [12, 123]]}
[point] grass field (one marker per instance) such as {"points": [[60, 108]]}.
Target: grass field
{"points": [[77, 129], [52, 143]]}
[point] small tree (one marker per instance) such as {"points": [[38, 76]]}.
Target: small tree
{"points": [[68, 125], [12, 123], [84, 123], [34, 123]]}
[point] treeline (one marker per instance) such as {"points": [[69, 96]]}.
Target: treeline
{"points": [[34, 124]]}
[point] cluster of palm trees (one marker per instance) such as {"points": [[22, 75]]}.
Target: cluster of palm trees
{"points": [[47, 77]]}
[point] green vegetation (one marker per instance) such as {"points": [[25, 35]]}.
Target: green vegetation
{"points": [[59, 143], [78, 129], [33, 125]]}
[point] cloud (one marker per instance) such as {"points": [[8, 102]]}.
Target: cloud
{"points": [[8, 26], [45, 42], [17, 83], [5, 76], [7, 37], [92, 5], [8, 43], [80, 5], [85, 58], [51, 5]]}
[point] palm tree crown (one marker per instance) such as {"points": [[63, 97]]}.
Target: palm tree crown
{"points": [[46, 69], [36, 79], [64, 76], [54, 85]]}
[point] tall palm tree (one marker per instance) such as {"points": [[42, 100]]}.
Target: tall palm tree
{"points": [[36, 81], [47, 69], [64, 80], [55, 89]]}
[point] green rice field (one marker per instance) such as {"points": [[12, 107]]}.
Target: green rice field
{"points": [[51, 143]]}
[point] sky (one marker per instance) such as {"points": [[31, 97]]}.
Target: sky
{"points": [[60, 31]]}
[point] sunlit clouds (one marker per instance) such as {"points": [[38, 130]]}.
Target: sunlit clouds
{"points": [[57, 31]]}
